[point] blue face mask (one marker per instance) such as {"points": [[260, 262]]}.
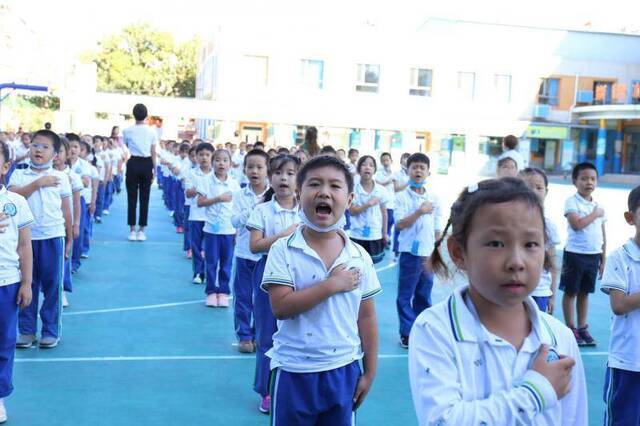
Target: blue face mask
{"points": [[415, 185], [44, 166], [306, 222]]}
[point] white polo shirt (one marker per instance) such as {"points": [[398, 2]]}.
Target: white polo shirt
{"points": [[83, 169], [368, 224], [20, 151], [622, 273], [218, 215], [139, 138], [553, 239], [244, 202], [455, 380], [193, 180], [19, 216], [384, 175], [45, 203], [588, 240], [271, 218], [238, 172], [325, 337], [76, 186], [419, 238], [401, 176]]}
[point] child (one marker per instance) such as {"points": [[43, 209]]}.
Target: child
{"points": [[187, 168], [545, 292], [197, 214], [321, 286], [386, 178], [215, 193], [418, 223], [87, 154], [621, 281], [275, 218], [47, 191], [81, 168], [256, 165], [15, 273], [400, 183], [510, 150], [61, 163], [369, 211], [507, 167], [180, 163], [353, 161], [102, 174], [584, 252], [487, 355]]}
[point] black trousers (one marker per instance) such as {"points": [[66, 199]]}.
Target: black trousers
{"points": [[138, 181]]}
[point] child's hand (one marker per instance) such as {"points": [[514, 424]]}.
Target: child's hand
{"points": [[225, 198], [362, 389], [601, 268], [373, 201], [427, 207], [47, 181], [67, 249], [345, 280], [92, 209], [76, 230], [557, 372], [385, 240], [551, 304], [24, 296], [290, 230]]}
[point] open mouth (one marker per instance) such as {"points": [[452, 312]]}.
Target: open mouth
{"points": [[323, 209]]}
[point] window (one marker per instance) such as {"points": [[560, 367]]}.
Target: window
{"points": [[466, 85], [602, 91], [256, 71], [635, 92], [312, 73], [548, 93], [420, 82], [502, 84], [368, 78]]}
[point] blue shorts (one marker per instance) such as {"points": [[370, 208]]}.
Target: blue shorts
{"points": [[579, 272], [542, 302], [324, 398], [622, 397]]}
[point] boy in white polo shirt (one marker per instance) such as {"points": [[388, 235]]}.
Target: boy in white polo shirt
{"points": [[48, 193], [584, 253], [321, 286], [418, 223], [621, 281]]}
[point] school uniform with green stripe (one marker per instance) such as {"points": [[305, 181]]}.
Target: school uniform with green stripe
{"points": [[461, 373]]}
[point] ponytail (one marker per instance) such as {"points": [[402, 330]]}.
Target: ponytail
{"points": [[436, 262]]}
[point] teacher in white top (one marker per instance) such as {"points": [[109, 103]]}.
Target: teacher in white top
{"points": [[141, 141]]}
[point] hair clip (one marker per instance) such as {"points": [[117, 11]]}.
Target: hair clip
{"points": [[472, 188]]}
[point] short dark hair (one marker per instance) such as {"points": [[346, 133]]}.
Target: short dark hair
{"points": [[503, 160], [72, 137], [580, 167], [529, 171], [633, 202], [353, 151], [140, 112], [324, 161], [184, 147], [258, 143], [362, 159], [283, 150], [510, 142], [256, 153], [328, 149], [385, 154], [205, 146], [5, 152], [52, 136], [490, 191], [418, 157]]}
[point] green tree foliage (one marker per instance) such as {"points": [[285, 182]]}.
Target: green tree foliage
{"points": [[144, 61]]}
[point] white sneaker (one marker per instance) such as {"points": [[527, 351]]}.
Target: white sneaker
{"points": [[105, 212], [197, 279], [65, 302], [3, 411], [133, 236], [141, 236], [170, 214]]}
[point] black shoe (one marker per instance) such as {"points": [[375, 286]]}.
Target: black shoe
{"points": [[404, 342]]}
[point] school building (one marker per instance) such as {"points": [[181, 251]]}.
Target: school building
{"points": [[450, 88]]}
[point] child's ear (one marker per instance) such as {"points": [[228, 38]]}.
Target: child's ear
{"points": [[350, 200], [628, 216], [456, 252]]}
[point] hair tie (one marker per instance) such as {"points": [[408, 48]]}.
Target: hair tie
{"points": [[472, 188]]}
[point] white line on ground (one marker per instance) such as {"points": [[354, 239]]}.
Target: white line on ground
{"points": [[193, 358]]}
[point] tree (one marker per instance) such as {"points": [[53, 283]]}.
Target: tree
{"points": [[144, 61]]}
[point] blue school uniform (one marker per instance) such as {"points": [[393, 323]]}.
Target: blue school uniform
{"points": [[197, 217], [271, 219], [218, 234], [83, 169], [47, 241], [19, 217], [76, 186]]}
